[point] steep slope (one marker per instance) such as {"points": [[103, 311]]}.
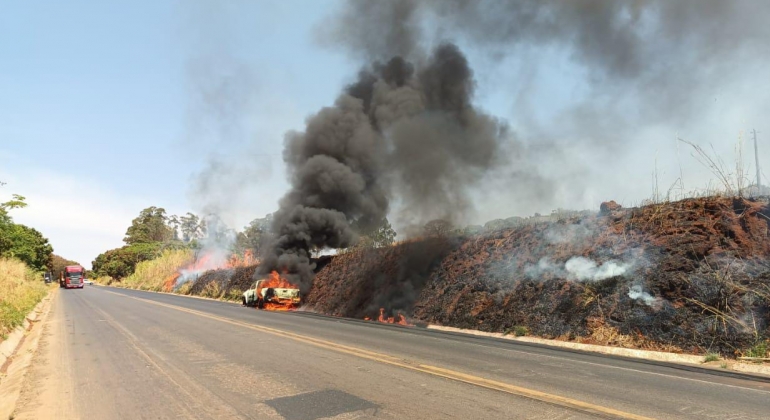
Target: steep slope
{"points": [[688, 276]]}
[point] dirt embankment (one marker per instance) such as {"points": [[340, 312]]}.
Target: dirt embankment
{"points": [[689, 276], [359, 282]]}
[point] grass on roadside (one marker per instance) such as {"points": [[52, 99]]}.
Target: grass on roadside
{"points": [[760, 349], [103, 280], [20, 290], [711, 357], [517, 331], [152, 274]]}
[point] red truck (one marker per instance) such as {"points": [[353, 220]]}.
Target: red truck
{"points": [[72, 277]]}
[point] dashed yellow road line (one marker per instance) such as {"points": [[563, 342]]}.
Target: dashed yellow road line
{"points": [[406, 364]]}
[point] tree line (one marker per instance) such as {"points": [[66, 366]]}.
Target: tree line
{"points": [[154, 230], [25, 243]]}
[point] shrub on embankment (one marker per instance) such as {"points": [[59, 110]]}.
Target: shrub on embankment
{"points": [[20, 290], [153, 274]]}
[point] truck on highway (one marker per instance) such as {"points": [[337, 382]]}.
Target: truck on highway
{"points": [[72, 277], [264, 295]]}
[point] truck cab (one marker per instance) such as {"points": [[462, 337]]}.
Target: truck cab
{"points": [[72, 277]]}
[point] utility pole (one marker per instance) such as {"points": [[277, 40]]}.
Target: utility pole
{"points": [[756, 158]]}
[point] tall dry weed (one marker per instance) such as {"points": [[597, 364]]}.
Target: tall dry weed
{"points": [[20, 290]]}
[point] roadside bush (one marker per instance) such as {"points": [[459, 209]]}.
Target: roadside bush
{"points": [[24, 243], [121, 262], [20, 290], [758, 350], [212, 290], [104, 280], [185, 288], [152, 274], [520, 331], [233, 295], [517, 331]]}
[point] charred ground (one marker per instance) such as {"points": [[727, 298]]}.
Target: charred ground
{"points": [[697, 278], [688, 276]]}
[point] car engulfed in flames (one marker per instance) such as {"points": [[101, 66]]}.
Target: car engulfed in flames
{"points": [[274, 293]]}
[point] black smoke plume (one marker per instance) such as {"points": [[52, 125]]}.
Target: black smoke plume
{"points": [[403, 131], [405, 139]]}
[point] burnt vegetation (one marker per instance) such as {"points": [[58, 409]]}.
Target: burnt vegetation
{"points": [[698, 278], [689, 276], [405, 143]]}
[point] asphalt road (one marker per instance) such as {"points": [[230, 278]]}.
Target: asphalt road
{"points": [[120, 354]]}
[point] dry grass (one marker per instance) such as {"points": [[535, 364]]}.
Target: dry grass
{"points": [[212, 290], [104, 280], [606, 335], [152, 274], [20, 290]]}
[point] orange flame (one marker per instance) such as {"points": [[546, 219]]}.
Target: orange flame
{"points": [[209, 261], [275, 280], [246, 260], [206, 262], [170, 282], [391, 320]]}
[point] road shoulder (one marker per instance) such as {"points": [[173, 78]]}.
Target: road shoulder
{"points": [[19, 350]]}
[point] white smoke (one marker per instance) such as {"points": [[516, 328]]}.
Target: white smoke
{"points": [[578, 269], [569, 234], [216, 249], [543, 266], [583, 269], [637, 293]]}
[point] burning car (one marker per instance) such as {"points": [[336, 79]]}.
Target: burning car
{"points": [[274, 294]]}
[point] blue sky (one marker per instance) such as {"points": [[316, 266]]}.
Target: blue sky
{"points": [[107, 108], [97, 98]]}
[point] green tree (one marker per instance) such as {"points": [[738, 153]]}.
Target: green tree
{"points": [[384, 235], [17, 202], [22, 242], [150, 226], [375, 235], [121, 262], [174, 223], [253, 236], [26, 244], [192, 227], [58, 263]]}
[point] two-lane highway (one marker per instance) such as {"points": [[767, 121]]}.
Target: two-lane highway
{"points": [[110, 353]]}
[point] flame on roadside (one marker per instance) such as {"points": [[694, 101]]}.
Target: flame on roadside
{"points": [[210, 260], [170, 282], [399, 319]]}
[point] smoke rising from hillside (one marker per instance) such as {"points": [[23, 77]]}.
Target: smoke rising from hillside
{"points": [[401, 131], [406, 140], [663, 48], [638, 74]]}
